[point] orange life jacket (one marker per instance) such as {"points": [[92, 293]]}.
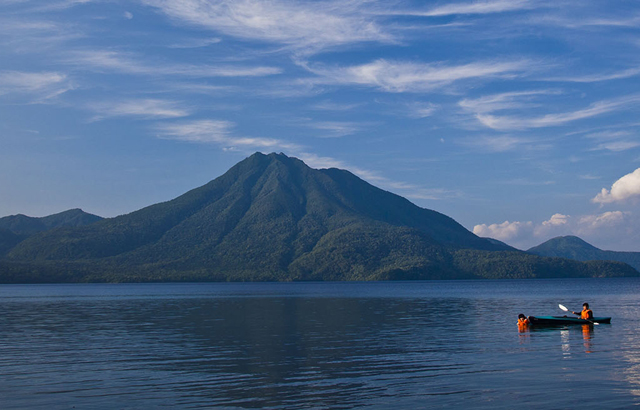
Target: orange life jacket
{"points": [[586, 314], [523, 322]]}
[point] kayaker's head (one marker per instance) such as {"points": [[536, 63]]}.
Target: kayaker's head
{"points": [[585, 305], [521, 316]]}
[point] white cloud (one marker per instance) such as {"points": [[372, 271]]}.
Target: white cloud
{"points": [[128, 15], [126, 63], [196, 43], [623, 189], [630, 72], [607, 135], [506, 231], [557, 225], [605, 227], [503, 101], [615, 141], [59, 5], [335, 129], [219, 132], [504, 123], [333, 106], [34, 36], [617, 146], [580, 22], [421, 109], [147, 108], [476, 7], [408, 190], [494, 143], [556, 220], [589, 223], [305, 26], [16, 81], [41, 85], [403, 76]]}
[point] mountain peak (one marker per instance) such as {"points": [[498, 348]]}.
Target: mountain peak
{"points": [[564, 244], [572, 247]]}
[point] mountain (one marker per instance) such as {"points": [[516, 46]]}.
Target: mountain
{"points": [[15, 228], [8, 240], [271, 217], [27, 225], [572, 247], [497, 242]]}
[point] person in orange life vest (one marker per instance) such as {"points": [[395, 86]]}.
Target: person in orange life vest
{"points": [[586, 312], [522, 320]]}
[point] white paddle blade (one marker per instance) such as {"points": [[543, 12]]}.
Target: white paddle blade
{"points": [[563, 307]]}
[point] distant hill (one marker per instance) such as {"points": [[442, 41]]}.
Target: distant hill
{"points": [[27, 225], [271, 217], [572, 247], [16, 228]]}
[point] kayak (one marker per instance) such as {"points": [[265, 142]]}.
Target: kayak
{"points": [[565, 320]]}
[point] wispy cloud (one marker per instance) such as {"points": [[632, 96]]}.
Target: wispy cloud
{"points": [[475, 7], [505, 123], [616, 146], [421, 109], [336, 129], [581, 22], [615, 140], [504, 101], [411, 191], [146, 108], [305, 26], [40, 86], [219, 132], [196, 42], [494, 143], [333, 106], [127, 63], [56, 5], [594, 78], [625, 188], [403, 76], [29, 35]]}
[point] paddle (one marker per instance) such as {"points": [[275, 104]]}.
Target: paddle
{"points": [[563, 307]]}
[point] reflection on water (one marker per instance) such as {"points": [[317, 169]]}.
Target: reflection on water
{"points": [[412, 345]]}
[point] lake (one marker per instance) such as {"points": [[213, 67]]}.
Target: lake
{"points": [[440, 344]]}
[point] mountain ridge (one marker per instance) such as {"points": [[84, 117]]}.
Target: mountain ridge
{"points": [[16, 228], [573, 247], [271, 217]]}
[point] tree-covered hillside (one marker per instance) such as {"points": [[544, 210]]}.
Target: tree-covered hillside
{"points": [[271, 217], [572, 247]]}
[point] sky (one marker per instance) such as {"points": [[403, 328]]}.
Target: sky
{"points": [[519, 119]]}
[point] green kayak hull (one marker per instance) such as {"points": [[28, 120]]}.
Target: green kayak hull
{"points": [[564, 320]]}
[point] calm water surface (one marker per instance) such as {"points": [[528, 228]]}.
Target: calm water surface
{"points": [[444, 344]]}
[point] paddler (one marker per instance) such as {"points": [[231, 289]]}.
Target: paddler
{"points": [[586, 313], [522, 320]]}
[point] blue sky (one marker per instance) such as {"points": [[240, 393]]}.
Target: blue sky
{"points": [[519, 119]]}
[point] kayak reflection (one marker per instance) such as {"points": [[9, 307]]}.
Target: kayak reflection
{"points": [[587, 334], [569, 336]]}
